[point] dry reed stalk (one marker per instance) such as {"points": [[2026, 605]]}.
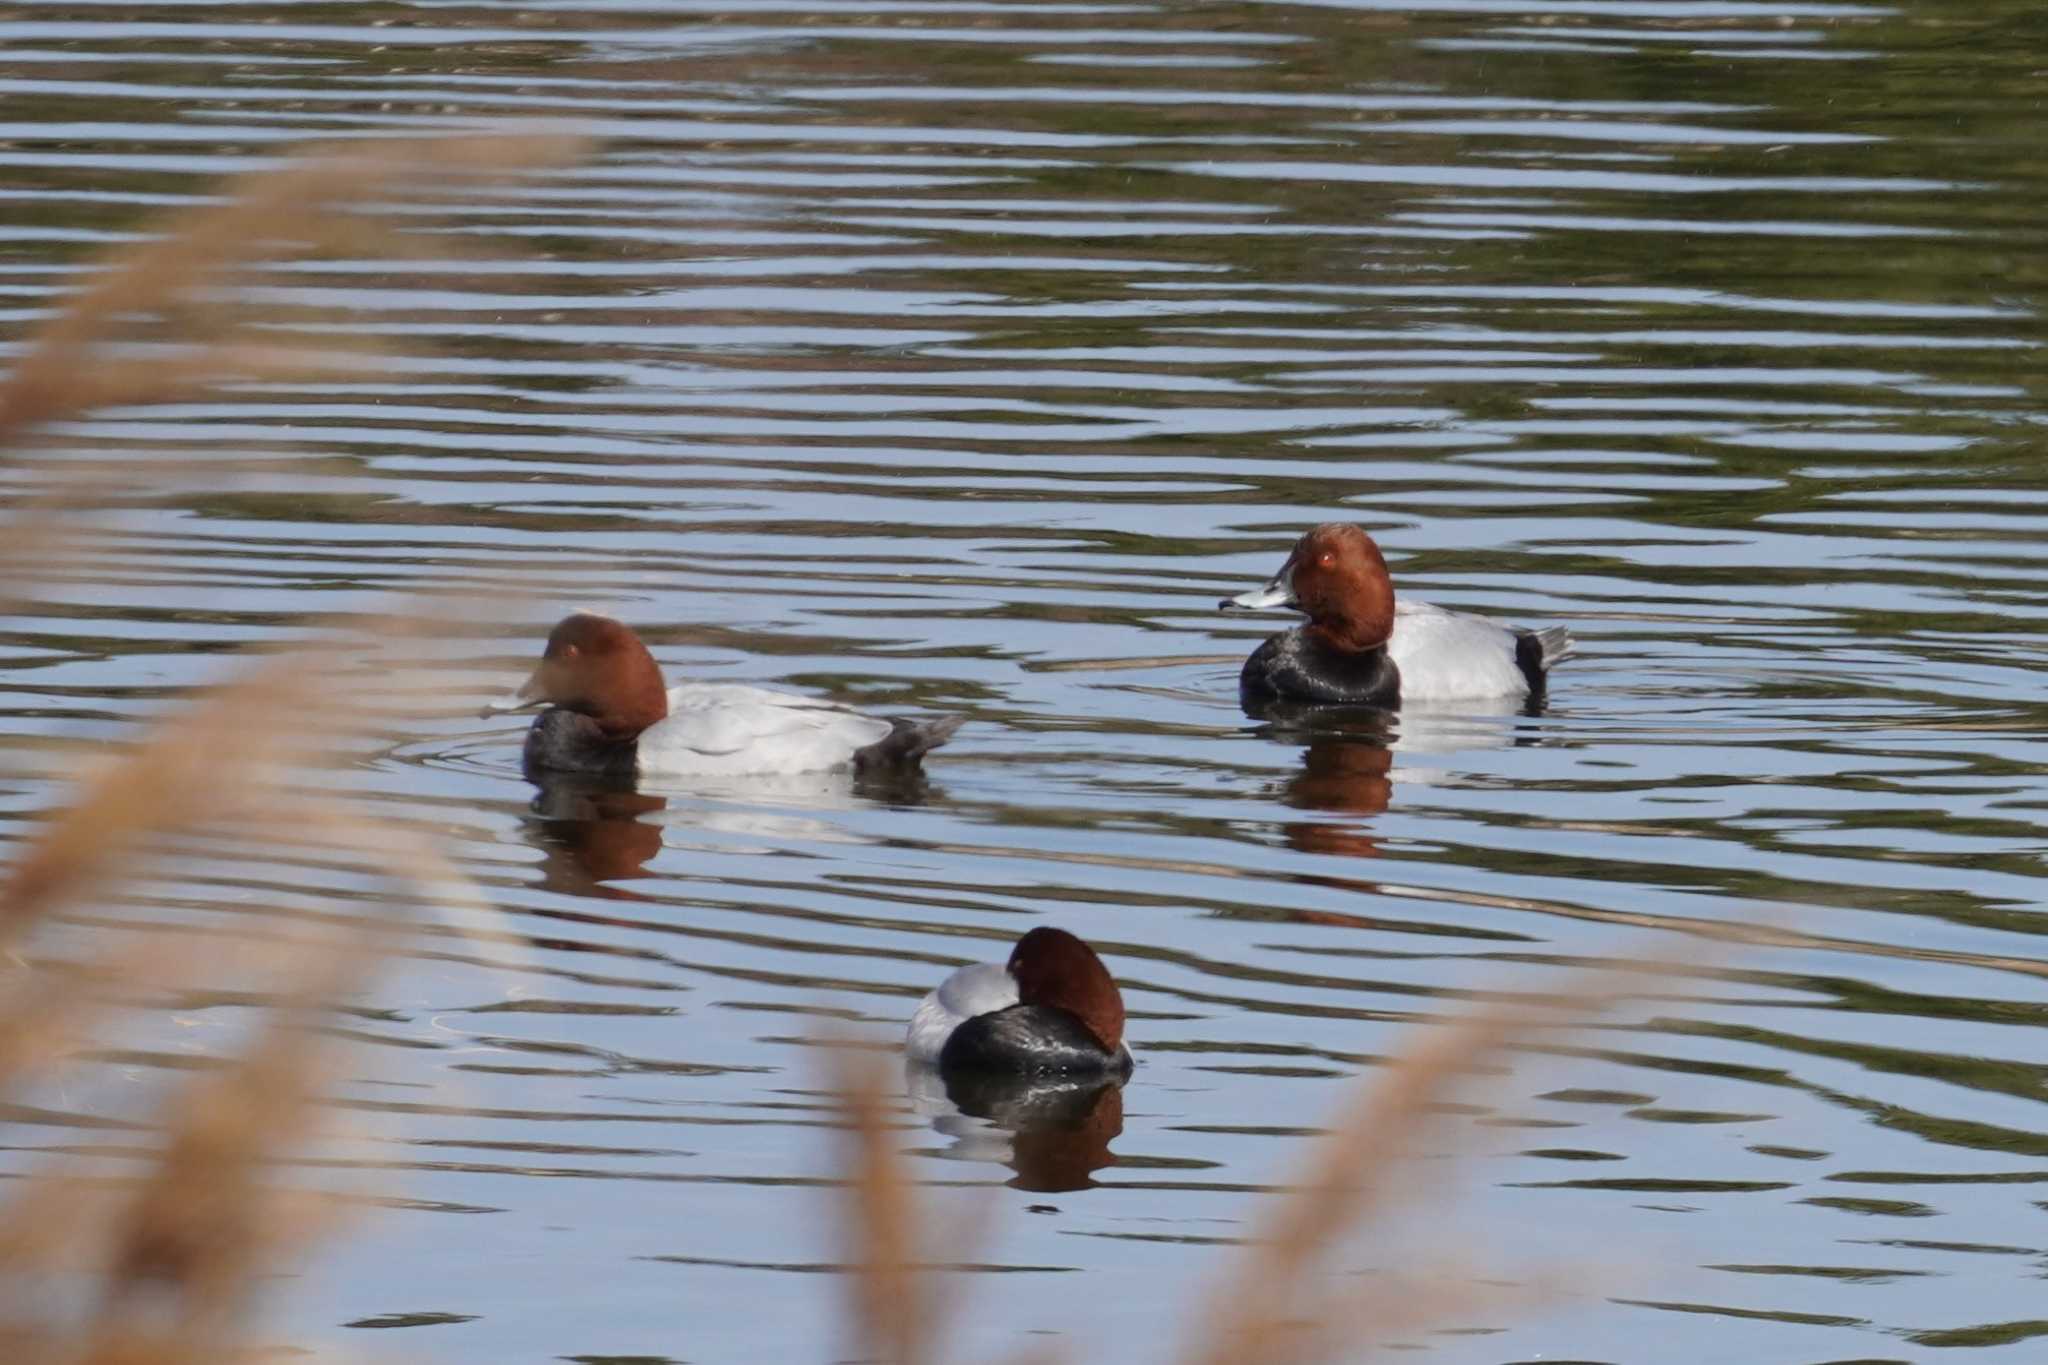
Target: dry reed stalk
{"points": [[177, 290], [206, 1221], [1275, 1304], [889, 1297], [170, 317], [204, 763], [233, 756], [1278, 1302], [45, 1011], [897, 1259], [184, 278], [179, 1251]]}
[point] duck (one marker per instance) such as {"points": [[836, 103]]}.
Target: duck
{"points": [[1053, 1008], [607, 712], [1363, 648]]}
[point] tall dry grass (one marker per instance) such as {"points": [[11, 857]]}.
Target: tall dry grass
{"points": [[171, 317], [892, 1297], [162, 1263], [1282, 1298]]}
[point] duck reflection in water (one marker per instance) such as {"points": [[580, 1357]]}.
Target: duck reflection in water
{"points": [[1054, 1131], [1346, 759], [591, 830]]}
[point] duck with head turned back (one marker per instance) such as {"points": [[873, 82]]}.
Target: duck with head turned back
{"points": [[608, 712], [1052, 1008], [1362, 648]]}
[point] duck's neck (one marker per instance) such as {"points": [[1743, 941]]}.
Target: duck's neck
{"points": [[1351, 635], [637, 700]]}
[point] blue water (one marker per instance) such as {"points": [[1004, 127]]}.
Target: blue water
{"points": [[955, 359]]}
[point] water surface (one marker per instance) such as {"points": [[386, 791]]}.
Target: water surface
{"points": [[956, 358]]}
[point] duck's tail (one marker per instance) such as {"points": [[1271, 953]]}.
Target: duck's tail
{"points": [[1538, 651], [906, 744]]}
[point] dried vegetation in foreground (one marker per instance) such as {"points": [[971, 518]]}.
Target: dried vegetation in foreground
{"points": [[1281, 1298], [162, 1263], [156, 1258]]}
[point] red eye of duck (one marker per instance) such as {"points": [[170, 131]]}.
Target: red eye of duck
{"points": [[1326, 559]]}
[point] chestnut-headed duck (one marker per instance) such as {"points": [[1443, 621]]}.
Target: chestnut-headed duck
{"points": [[1053, 1007], [1362, 648], [608, 712]]}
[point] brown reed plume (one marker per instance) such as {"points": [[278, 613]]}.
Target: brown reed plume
{"points": [[1278, 1300], [889, 1286], [164, 319], [178, 1249], [172, 780]]}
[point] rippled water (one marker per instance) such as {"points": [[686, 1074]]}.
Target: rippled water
{"points": [[957, 357]]}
